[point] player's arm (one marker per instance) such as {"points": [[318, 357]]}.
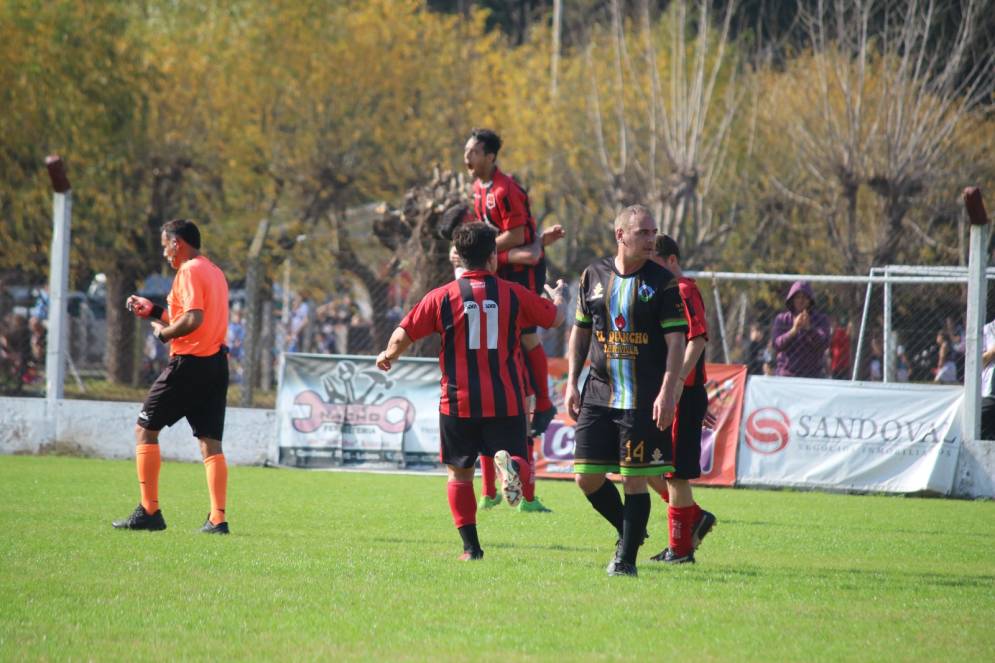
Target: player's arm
{"points": [[185, 324], [398, 343], [692, 352], [666, 401], [577, 349], [553, 234], [529, 254], [509, 239]]}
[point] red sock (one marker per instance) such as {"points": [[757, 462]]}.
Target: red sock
{"points": [[462, 503], [540, 375], [487, 477], [525, 476], [217, 486], [680, 520], [148, 462]]}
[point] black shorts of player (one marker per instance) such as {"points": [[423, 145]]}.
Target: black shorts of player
{"points": [[687, 433], [533, 278], [463, 438], [621, 441], [191, 387]]}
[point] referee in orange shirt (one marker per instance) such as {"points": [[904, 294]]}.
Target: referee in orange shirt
{"points": [[194, 383]]}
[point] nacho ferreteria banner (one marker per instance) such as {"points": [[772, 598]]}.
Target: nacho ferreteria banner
{"points": [[335, 410], [726, 385], [823, 434]]}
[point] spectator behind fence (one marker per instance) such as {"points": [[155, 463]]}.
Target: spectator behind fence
{"points": [[800, 335], [988, 383], [945, 370], [839, 349], [756, 350]]}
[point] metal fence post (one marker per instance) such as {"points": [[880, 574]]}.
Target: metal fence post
{"points": [[58, 283]]}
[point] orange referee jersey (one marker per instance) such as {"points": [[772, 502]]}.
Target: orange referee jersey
{"points": [[200, 285]]}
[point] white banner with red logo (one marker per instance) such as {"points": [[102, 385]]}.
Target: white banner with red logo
{"points": [[897, 438], [335, 410]]}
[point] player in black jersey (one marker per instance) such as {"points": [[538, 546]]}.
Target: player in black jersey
{"points": [[631, 308]]}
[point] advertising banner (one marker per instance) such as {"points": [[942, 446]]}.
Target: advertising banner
{"points": [[336, 410], [726, 386], [898, 438]]}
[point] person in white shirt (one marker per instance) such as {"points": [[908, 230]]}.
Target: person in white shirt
{"points": [[987, 386]]}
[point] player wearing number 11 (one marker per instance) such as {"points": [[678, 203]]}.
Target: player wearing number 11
{"points": [[482, 408]]}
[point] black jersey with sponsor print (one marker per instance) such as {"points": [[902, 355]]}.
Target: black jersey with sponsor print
{"points": [[629, 316]]}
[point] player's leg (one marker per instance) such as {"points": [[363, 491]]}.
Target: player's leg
{"points": [[489, 497], [163, 407], [509, 457], [687, 523], [530, 503], [644, 451], [207, 419], [459, 448], [595, 455], [538, 366]]}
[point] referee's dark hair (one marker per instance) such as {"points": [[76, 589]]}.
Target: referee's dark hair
{"points": [[475, 242], [666, 247], [490, 140], [184, 229]]}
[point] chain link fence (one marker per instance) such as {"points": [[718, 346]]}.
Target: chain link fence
{"points": [[903, 324]]}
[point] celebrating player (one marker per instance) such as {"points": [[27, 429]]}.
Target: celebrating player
{"points": [[482, 408], [194, 383], [687, 523], [499, 201], [631, 308]]}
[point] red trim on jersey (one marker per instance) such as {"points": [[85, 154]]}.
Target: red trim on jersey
{"points": [[694, 312]]}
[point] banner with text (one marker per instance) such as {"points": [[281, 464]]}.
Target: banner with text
{"points": [[338, 410], [726, 386], [898, 438]]}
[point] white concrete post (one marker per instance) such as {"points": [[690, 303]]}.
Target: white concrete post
{"points": [[58, 280], [976, 299]]}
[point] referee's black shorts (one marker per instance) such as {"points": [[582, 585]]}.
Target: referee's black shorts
{"points": [[191, 387], [463, 438], [687, 433]]}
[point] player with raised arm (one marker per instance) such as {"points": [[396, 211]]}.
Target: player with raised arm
{"points": [[631, 320], [687, 523], [482, 406]]}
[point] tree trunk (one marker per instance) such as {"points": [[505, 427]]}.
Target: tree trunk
{"points": [[121, 283], [254, 275]]}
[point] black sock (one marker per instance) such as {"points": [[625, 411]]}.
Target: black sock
{"points": [[469, 535], [607, 502], [637, 514]]}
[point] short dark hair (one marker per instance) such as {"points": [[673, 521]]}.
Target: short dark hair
{"points": [[184, 229], [490, 140], [666, 247], [475, 242]]}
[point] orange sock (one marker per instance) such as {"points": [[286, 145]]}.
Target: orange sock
{"points": [[148, 462], [217, 485]]}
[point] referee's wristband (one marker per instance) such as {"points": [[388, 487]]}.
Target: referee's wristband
{"points": [[157, 312]]}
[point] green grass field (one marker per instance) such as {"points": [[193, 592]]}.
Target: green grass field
{"points": [[346, 566]]}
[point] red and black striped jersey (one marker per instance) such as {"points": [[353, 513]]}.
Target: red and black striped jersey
{"points": [[480, 318], [503, 203], [694, 311]]}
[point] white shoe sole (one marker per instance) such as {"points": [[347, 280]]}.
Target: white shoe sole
{"points": [[511, 484]]}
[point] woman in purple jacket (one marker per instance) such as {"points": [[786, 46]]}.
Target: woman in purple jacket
{"points": [[801, 335]]}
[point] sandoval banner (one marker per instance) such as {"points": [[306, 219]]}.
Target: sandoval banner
{"points": [[726, 386], [334, 410], [898, 438]]}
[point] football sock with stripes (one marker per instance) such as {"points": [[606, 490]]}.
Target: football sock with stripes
{"points": [[217, 486], [148, 461], [608, 503], [680, 522], [487, 477], [462, 503], [637, 514], [539, 369], [525, 476]]}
